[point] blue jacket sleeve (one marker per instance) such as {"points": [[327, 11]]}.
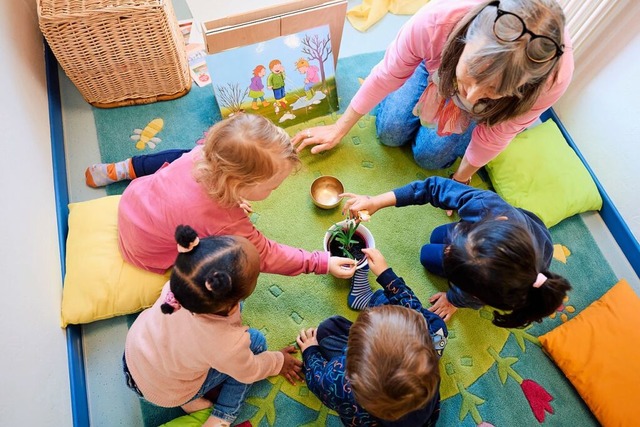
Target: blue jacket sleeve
{"points": [[471, 203], [399, 293]]}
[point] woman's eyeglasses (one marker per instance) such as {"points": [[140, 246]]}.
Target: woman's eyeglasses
{"points": [[509, 27]]}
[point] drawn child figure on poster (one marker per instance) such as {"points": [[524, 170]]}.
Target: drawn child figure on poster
{"points": [[256, 88], [275, 82], [311, 76]]}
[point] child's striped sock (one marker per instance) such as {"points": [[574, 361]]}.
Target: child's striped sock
{"points": [[101, 174], [361, 293]]}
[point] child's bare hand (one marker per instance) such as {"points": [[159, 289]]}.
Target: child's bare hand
{"points": [[356, 203], [246, 206], [441, 306], [292, 367], [377, 263], [342, 268], [307, 338]]}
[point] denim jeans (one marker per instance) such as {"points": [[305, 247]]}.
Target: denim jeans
{"points": [[232, 392], [396, 126]]}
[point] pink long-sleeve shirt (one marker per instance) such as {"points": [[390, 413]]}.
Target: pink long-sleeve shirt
{"points": [[169, 355], [423, 38], [152, 206]]}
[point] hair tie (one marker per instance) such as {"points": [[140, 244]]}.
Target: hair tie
{"points": [[170, 299], [539, 280], [192, 245]]}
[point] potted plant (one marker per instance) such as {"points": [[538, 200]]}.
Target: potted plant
{"points": [[347, 238]]}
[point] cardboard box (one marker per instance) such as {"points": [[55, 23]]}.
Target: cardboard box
{"points": [[241, 23]]}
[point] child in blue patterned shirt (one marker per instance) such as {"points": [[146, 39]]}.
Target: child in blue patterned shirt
{"points": [[383, 369]]}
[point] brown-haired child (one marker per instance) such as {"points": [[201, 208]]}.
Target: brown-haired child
{"points": [[382, 369]]}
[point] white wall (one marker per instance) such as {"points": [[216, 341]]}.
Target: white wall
{"points": [[601, 111], [34, 377]]}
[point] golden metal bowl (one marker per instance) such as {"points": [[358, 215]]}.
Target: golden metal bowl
{"points": [[325, 191]]}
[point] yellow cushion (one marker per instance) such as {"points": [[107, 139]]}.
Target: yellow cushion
{"points": [[98, 284], [597, 351]]}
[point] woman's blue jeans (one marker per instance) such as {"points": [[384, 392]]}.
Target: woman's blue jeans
{"points": [[396, 126]]}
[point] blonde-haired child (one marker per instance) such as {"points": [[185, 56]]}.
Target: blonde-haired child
{"points": [[244, 158], [192, 339]]}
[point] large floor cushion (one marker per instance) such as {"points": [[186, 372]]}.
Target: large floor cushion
{"points": [[598, 352], [98, 283], [541, 173]]}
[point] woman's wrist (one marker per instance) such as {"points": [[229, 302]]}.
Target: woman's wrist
{"points": [[466, 182]]}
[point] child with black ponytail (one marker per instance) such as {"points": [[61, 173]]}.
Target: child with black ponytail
{"points": [[496, 255], [192, 339]]}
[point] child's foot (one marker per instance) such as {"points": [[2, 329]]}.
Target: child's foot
{"points": [[265, 103], [361, 293], [102, 174]]}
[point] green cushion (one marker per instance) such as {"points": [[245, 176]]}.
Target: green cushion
{"points": [[195, 419], [541, 173]]}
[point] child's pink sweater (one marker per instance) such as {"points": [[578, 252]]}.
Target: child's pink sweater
{"points": [[422, 38], [169, 355], [152, 206]]}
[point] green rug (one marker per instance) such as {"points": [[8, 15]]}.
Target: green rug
{"points": [[487, 372]]}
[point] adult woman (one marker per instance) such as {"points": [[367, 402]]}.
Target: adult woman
{"points": [[478, 71]]}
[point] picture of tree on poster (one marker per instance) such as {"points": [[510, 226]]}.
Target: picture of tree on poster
{"points": [[289, 79]]}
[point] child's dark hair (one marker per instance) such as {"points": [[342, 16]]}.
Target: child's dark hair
{"points": [[496, 261], [391, 362], [213, 276]]}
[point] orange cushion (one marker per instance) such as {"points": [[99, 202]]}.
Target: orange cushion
{"points": [[598, 352]]}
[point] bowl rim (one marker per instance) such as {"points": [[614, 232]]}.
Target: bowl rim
{"points": [[318, 203]]}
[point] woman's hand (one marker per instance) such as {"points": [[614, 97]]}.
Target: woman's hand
{"points": [[356, 203], [441, 306], [321, 138], [307, 338], [342, 268], [326, 137], [292, 367], [376, 261]]}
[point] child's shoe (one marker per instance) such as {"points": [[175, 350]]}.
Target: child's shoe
{"points": [[254, 105]]}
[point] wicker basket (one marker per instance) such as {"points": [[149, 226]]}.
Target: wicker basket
{"points": [[118, 52]]}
